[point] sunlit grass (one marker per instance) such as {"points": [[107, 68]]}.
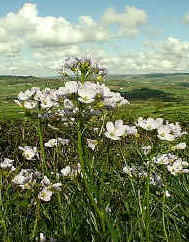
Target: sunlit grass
{"points": [[101, 202]]}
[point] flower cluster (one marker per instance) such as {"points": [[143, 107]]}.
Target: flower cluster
{"points": [[174, 164], [140, 172], [55, 142], [28, 178], [149, 123], [29, 152], [71, 171], [47, 189], [86, 66], [66, 101], [167, 131], [114, 132], [7, 164]]}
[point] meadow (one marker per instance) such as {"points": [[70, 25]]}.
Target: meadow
{"points": [[105, 175]]}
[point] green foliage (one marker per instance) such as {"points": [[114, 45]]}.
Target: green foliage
{"points": [[104, 203]]}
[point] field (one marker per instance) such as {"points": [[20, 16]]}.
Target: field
{"points": [[81, 179], [164, 95]]}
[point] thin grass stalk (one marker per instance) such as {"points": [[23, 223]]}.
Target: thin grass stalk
{"points": [[2, 221], [85, 178], [35, 226], [42, 150], [163, 215], [147, 204]]}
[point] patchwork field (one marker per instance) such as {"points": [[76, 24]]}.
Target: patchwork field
{"points": [[165, 95]]}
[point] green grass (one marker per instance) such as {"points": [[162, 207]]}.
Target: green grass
{"points": [[157, 95], [104, 203]]}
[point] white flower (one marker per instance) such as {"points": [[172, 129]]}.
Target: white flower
{"points": [[45, 195], [47, 102], [130, 130], [29, 152], [30, 104], [63, 141], [23, 96], [25, 176], [7, 163], [156, 180], [62, 91], [66, 171], [72, 87], [55, 142], [86, 95], [92, 143], [167, 194], [42, 237], [149, 123], [45, 181], [47, 190], [51, 143], [128, 170], [74, 171], [178, 167], [114, 132], [170, 131], [113, 99], [180, 146], [165, 159], [164, 133], [57, 186], [105, 91]]}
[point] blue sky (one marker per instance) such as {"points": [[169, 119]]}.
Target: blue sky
{"points": [[133, 36]]}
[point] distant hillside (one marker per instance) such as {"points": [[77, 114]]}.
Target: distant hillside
{"points": [[8, 77], [130, 77], [149, 76]]}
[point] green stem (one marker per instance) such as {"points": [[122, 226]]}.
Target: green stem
{"points": [[2, 221], [148, 207], [163, 216], [33, 234], [85, 178], [42, 150]]}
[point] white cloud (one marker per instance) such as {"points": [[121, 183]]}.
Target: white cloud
{"points": [[35, 45], [129, 21], [49, 31], [171, 55], [167, 56], [28, 39], [57, 31]]}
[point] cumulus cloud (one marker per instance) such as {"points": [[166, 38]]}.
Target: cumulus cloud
{"points": [[57, 31], [35, 45], [49, 31], [128, 22], [166, 56], [30, 39]]}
